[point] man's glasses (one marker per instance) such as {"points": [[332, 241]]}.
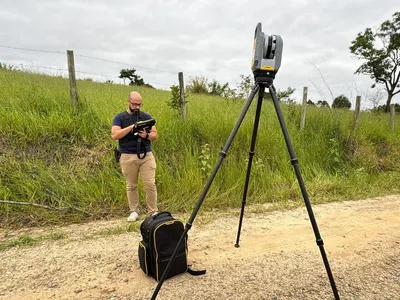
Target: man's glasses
{"points": [[135, 104]]}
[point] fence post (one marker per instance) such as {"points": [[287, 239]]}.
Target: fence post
{"points": [[304, 108], [182, 94], [72, 80], [391, 117], [357, 113]]}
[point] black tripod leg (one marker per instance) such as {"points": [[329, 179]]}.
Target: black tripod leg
{"points": [[207, 186], [295, 164], [251, 155]]}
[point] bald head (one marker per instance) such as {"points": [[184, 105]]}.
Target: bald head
{"points": [[133, 96], [134, 102]]}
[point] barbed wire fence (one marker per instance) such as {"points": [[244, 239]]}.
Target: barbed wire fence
{"points": [[82, 74], [180, 79], [313, 89]]}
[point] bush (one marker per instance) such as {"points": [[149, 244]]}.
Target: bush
{"points": [[198, 85], [341, 102]]}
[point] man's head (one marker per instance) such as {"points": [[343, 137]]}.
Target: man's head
{"points": [[134, 102]]}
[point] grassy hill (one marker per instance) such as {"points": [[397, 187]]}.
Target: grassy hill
{"points": [[54, 155]]}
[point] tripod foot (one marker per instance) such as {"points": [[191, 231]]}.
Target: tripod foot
{"points": [[237, 246]]}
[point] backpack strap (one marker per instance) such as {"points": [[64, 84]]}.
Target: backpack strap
{"points": [[195, 273], [139, 141], [139, 144], [126, 115]]}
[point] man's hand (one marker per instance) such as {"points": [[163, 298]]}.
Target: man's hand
{"points": [[142, 134]]}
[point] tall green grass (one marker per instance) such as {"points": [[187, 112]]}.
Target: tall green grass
{"points": [[55, 155]]}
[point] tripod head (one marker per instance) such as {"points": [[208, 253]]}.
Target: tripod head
{"points": [[267, 54]]}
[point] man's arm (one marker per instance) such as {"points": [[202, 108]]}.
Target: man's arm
{"points": [[152, 134], [118, 133]]}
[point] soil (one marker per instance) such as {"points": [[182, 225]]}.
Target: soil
{"points": [[278, 257]]}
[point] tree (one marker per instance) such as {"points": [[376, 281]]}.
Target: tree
{"points": [[309, 102], [217, 89], [323, 103], [374, 96], [134, 79], [137, 80], [176, 100], [284, 96], [382, 64], [382, 108], [244, 87], [341, 102], [222, 90], [229, 93], [127, 74]]}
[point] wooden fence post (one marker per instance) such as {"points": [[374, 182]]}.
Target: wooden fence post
{"points": [[391, 117], [72, 80], [304, 108], [357, 113], [182, 94]]}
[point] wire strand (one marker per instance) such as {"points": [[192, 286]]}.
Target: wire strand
{"points": [[116, 62], [35, 50]]}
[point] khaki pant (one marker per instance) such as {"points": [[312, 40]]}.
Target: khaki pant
{"points": [[131, 165]]}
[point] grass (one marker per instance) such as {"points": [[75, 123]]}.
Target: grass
{"points": [[25, 240], [131, 227], [55, 155]]}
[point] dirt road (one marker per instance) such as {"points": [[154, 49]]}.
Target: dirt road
{"points": [[278, 258]]}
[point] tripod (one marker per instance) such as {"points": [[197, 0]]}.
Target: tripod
{"points": [[260, 84]]}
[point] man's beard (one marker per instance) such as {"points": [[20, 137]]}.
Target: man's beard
{"points": [[134, 111]]}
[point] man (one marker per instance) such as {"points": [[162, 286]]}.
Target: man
{"points": [[136, 155]]}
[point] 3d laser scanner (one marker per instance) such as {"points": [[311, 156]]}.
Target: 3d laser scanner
{"points": [[267, 55]]}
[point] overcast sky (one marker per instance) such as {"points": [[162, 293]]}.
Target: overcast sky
{"points": [[207, 38]]}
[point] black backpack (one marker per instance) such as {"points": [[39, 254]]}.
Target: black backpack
{"points": [[160, 236]]}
